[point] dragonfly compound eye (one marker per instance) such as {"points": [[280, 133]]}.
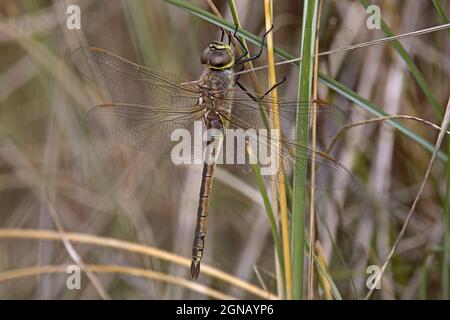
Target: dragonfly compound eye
{"points": [[219, 59], [205, 56]]}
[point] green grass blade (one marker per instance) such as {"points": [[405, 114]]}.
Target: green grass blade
{"points": [[440, 13], [138, 25], [358, 100], [270, 215], [261, 186], [412, 67], [373, 109], [299, 198], [235, 15], [337, 295], [439, 113], [341, 259], [323, 270], [333, 84]]}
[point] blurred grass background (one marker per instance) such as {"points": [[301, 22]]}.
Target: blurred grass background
{"points": [[50, 161]]}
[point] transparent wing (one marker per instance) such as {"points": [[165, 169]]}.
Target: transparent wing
{"points": [[330, 174], [127, 82], [142, 127], [147, 105], [330, 118]]}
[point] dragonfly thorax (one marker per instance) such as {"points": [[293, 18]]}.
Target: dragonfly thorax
{"points": [[217, 82], [216, 89]]}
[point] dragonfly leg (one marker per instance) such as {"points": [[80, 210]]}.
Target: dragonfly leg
{"points": [[195, 268], [244, 49], [223, 34], [255, 98], [273, 87], [239, 75], [256, 56]]}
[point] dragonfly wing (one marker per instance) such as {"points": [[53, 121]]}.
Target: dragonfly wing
{"points": [[330, 117], [330, 174], [127, 82], [141, 127]]}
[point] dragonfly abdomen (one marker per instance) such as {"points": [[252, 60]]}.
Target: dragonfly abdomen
{"points": [[212, 122], [202, 219]]}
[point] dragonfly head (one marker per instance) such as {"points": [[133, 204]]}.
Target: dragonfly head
{"points": [[218, 56]]}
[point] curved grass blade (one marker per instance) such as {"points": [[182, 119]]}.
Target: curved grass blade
{"points": [[331, 83], [411, 66], [302, 129]]}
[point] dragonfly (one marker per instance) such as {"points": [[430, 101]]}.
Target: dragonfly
{"points": [[147, 106]]}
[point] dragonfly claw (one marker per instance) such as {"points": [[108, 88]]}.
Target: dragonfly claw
{"points": [[195, 269]]}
